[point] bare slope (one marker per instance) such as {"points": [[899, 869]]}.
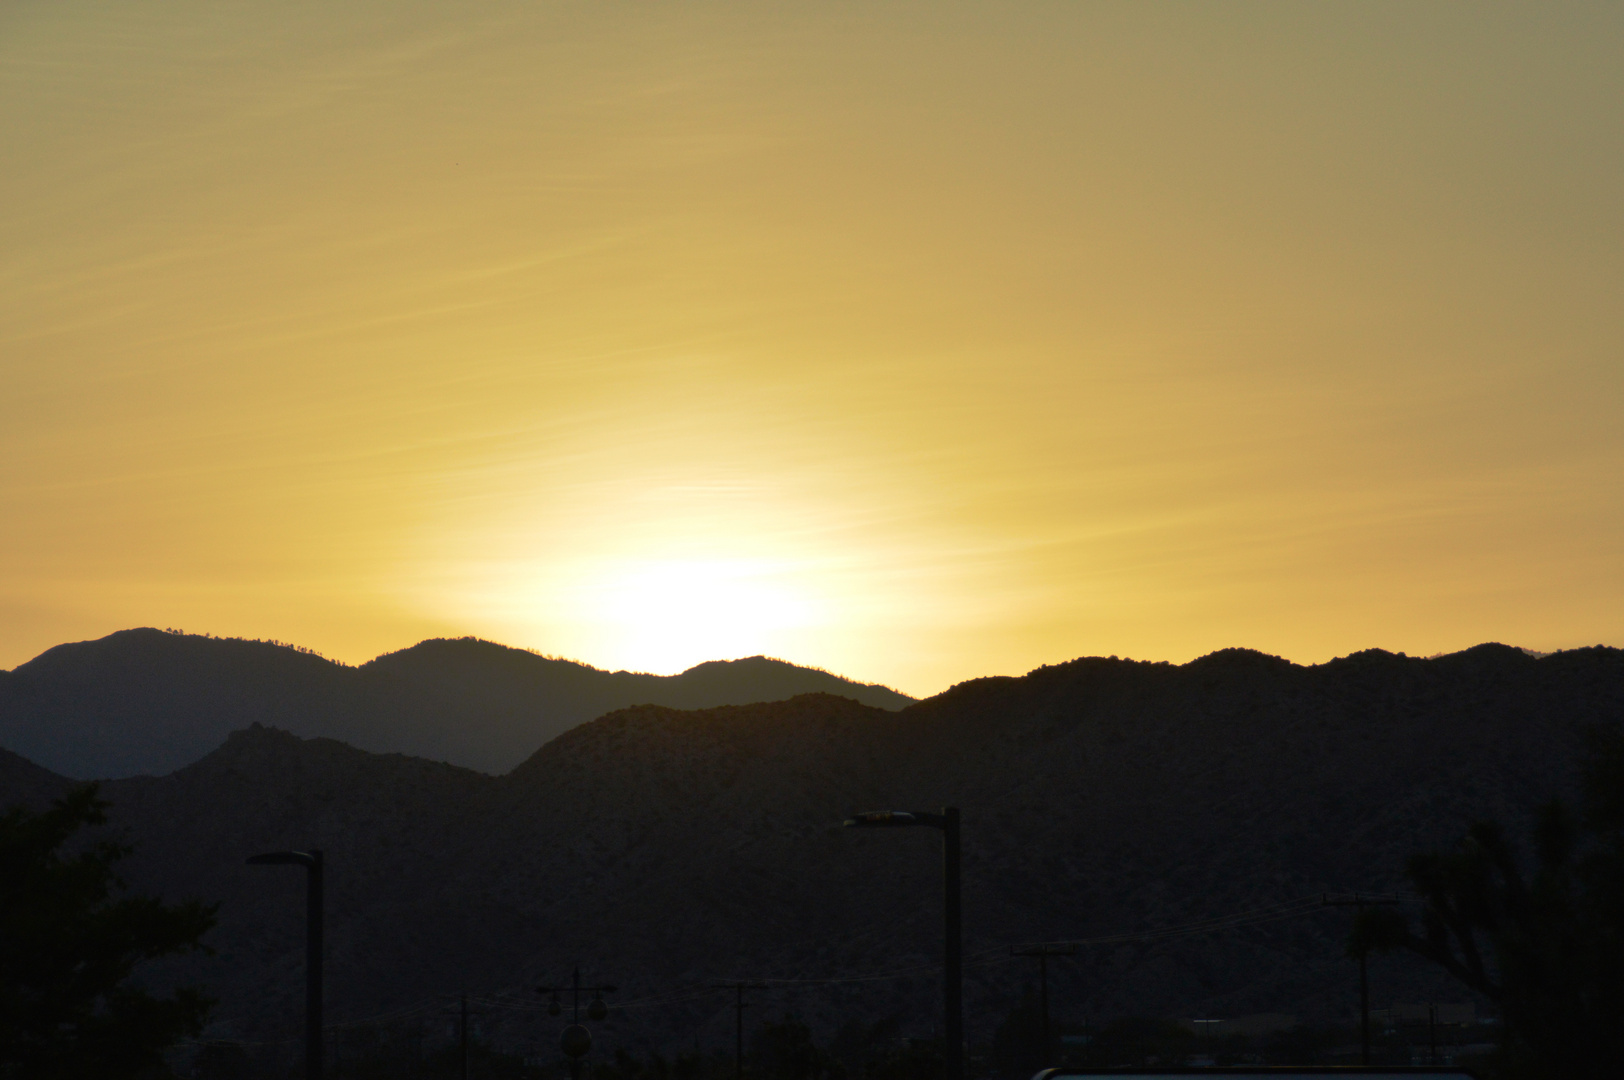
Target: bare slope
{"points": [[148, 702]]}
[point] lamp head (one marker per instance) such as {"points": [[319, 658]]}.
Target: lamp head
{"points": [[880, 819], [283, 858]]}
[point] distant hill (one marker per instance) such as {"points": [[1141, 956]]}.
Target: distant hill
{"points": [[664, 849], [149, 701], [21, 781]]}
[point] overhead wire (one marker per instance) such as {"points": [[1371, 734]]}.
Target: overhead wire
{"points": [[515, 999]]}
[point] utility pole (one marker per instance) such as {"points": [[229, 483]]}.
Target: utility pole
{"points": [[462, 1032], [954, 953], [1043, 952], [1360, 903], [739, 1006]]}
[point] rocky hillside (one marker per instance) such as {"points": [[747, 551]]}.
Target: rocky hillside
{"points": [[665, 850], [149, 701]]}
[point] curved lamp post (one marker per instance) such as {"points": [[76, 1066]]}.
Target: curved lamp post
{"points": [[953, 963], [311, 861]]}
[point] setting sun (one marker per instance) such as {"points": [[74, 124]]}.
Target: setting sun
{"points": [[672, 615]]}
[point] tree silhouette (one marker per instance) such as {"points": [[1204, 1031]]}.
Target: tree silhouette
{"points": [[785, 1051], [1017, 1045], [1545, 944], [68, 946]]}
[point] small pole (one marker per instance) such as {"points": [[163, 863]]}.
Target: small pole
{"points": [[738, 1035], [1043, 1000], [464, 1016], [1364, 1012], [314, 917], [1043, 952], [1432, 1033], [954, 965]]}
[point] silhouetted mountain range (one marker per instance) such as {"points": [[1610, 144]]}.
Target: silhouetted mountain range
{"points": [[665, 849], [149, 701]]}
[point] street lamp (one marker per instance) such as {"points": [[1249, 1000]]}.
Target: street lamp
{"points": [[953, 954], [576, 1042], [311, 861]]}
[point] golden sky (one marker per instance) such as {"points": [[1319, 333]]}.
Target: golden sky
{"points": [[918, 341]]}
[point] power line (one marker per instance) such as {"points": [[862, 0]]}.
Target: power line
{"points": [[507, 999]]}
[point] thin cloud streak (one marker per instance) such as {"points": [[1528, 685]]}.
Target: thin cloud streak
{"points": [[983, 339]]}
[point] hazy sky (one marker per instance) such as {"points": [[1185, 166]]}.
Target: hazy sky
{"points": [[916, 341]]}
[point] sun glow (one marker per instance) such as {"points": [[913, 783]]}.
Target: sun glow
{"points": [[673, 613], [650, 613]]}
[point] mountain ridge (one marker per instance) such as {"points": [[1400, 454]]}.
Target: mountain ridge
{"points": [[148, 701]]}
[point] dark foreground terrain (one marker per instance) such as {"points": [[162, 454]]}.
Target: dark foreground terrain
{"points": [[665, 850]]}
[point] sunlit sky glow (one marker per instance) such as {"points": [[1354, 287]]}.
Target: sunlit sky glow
{"points": [[914, 341]]}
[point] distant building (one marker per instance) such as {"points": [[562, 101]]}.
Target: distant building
{"points": [[1437, 1033], [1406, 1014], [1255, 1024]]}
